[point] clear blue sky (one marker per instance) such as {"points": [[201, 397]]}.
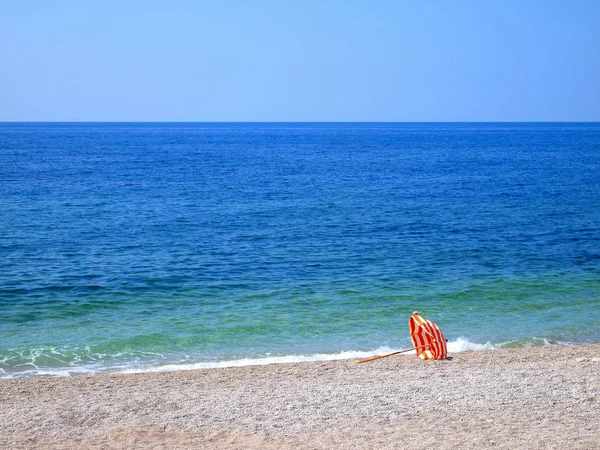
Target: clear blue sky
{"points": [[280, 60]]}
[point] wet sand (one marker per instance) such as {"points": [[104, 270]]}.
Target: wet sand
{"points": [[514, 398]]}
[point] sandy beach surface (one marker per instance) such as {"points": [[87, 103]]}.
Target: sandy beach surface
{"points": [[514, 398]]}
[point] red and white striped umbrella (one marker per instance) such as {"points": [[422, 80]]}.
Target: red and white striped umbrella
{"points": [[427, 338]]}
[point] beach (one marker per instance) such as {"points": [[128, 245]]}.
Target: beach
{"points": [[545, 397]]}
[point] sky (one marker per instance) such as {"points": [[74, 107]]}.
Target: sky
{"points": [[311, 60]]}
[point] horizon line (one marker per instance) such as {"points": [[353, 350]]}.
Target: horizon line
{"points": [[295, 121]]}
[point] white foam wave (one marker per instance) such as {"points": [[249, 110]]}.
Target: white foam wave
{"points": [[51, 372], [462, 344], [459, 345], [285, 359]]}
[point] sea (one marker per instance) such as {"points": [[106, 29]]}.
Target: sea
{"points": [[136, 247]]}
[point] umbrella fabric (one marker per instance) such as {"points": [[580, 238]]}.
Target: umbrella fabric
{"points": [[427, 338]]}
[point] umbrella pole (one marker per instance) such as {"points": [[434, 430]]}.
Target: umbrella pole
{"points": [[390, 354]]}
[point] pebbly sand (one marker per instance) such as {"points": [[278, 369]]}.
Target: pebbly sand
{"points": [[517, 398]]}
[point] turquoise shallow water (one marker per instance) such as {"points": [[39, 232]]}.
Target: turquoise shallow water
{"points": [[140, 246]]}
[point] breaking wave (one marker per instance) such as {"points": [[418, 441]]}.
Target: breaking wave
{"points": [[154, 363]]}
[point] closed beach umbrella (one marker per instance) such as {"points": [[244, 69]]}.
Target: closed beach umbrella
{"points": [[427, 338]]}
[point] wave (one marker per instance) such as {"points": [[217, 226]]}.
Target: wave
{"points": [[459, 345], [78, 367]]}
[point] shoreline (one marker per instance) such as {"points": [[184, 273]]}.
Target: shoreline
{"points": [[456, 346], [541, 397]]}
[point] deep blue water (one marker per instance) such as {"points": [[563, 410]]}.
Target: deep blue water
{"points": [[138, 245]]}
